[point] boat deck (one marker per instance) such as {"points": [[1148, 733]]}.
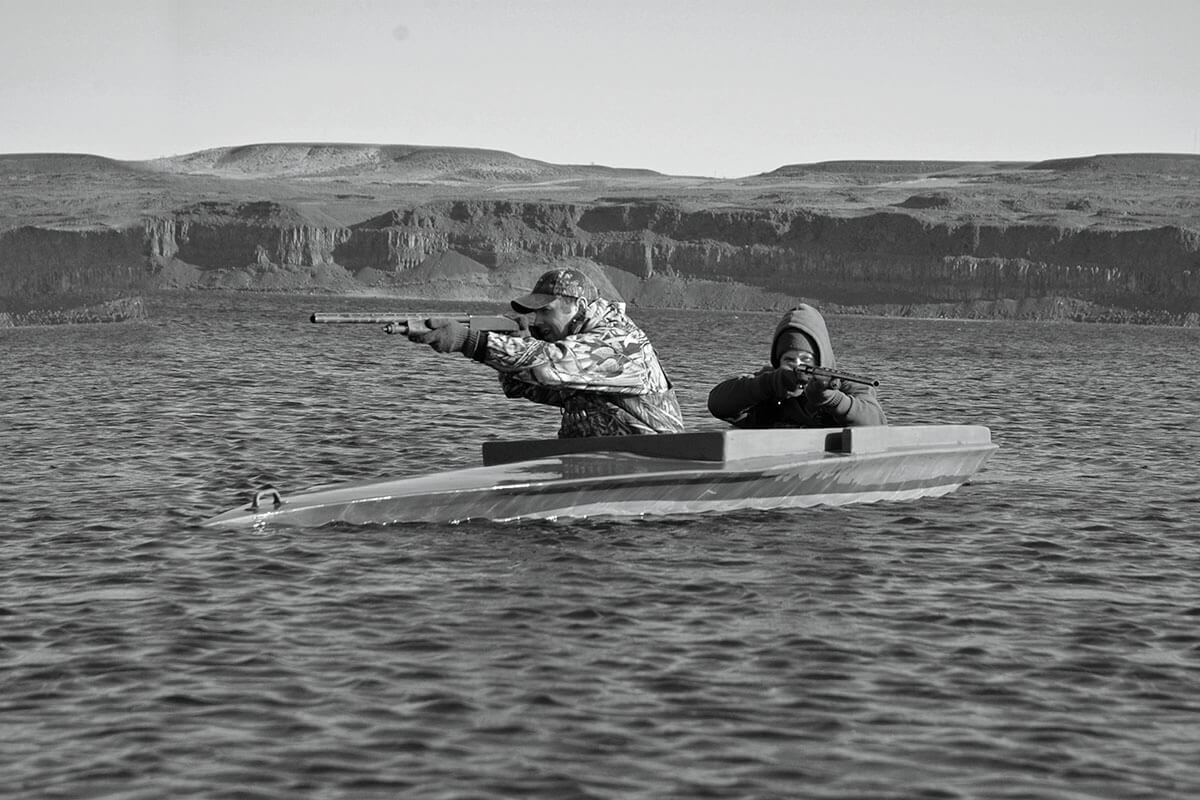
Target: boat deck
{"points": [[737, 445]]}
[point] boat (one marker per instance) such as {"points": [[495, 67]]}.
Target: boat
{"points": [[631, 476]]}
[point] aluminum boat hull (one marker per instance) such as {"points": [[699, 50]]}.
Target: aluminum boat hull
{"points": [[650, 475]]}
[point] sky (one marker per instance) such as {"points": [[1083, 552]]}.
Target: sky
{"points": [[720, 88]]}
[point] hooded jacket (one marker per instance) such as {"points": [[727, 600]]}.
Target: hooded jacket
{"points": [[757, 401], [605, 376]]}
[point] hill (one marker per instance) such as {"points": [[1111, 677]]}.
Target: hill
{"points": [[1101, 236], [373, 162]]}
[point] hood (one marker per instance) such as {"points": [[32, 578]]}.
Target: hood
{"points": [[807, 320]]}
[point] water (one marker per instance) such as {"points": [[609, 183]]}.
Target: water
{"points": [[1035, 634]]}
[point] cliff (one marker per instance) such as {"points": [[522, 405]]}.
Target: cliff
{"points": [[1106, 237]]}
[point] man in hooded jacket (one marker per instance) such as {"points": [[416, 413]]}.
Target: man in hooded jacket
{"points": [[584, 355], [783, 396]]}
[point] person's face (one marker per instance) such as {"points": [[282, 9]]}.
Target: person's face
{"points": [[550, 323], [802, 356]]}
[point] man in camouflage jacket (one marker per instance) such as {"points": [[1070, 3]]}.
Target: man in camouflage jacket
{"points": [[584, 355]]}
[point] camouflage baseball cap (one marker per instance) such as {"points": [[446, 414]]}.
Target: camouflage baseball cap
{"points": [[556, 283]]}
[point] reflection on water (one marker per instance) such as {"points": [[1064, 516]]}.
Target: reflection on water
{"points": [[1029, 635]]}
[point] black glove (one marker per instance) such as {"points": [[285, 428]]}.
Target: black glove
{"points": [[444, 335], [779, 384]]}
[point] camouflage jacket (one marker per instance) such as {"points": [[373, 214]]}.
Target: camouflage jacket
{"points": [[606, 378]]}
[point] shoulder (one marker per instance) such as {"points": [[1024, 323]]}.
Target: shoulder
{"points": [[741, 376], [739, 382], [607, 319]]}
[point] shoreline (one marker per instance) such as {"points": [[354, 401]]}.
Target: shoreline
{"points": [[1052, 310]]}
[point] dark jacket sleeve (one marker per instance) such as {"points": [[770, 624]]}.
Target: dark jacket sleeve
{"points": [[734, 399], [755, 401]]}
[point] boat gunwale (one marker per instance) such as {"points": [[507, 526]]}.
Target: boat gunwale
{"points": [[723, 473]]}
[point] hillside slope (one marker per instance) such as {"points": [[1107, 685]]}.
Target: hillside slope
{"points": [[1106, 236]]}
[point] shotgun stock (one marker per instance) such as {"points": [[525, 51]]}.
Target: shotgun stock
{"points": [[402, 323]]}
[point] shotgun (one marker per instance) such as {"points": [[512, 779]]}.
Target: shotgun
{"points": [[821, 372], [403, 323]]}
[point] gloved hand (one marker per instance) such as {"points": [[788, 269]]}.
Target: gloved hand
{"points": [[822, 391], [444, 335], [782, 383]]}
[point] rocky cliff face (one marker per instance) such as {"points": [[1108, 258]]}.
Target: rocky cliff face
{"points": [[877, 258], [894, 257], [227, 236], [60, 268]]}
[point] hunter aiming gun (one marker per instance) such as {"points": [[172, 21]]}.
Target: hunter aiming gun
{"points": [[821, 372], [403, 323]]}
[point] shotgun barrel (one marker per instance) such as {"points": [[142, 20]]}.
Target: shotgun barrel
{"points": [[401, 322], [822, 372]]}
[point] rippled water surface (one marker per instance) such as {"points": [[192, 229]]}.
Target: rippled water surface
{"points": [[1035, 634]]}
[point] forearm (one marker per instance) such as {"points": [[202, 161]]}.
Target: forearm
{"points": [[731, 399], [594, 366], [513, 387]]}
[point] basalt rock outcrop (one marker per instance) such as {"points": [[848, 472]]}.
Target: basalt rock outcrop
{"points": [[879, 258], [1072, 252], [55, 269]]}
